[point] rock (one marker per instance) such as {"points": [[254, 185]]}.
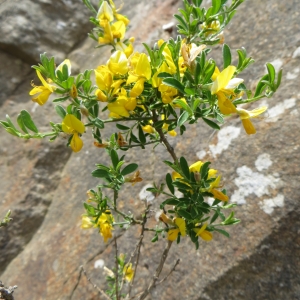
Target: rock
{"points": [[40, 26], [12, 74], [259, 261]]}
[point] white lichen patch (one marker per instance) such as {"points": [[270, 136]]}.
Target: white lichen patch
{"points": [[295, 112], [201, 154], [99, 263], [146, 195], [279, 109], [296, 53], [263, 162], [268, 205], [225, 136], [252, 183], [294, 74]]}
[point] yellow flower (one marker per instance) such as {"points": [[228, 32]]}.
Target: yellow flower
{"points": [[195, 167], [117, 63], [128, 272], [105, 231], [111, 32], [72, 125], [217, 194], [105, 13], [181, 228], [119, 17], [126, 48], [107, 87], [204, 234], [168, 57], [105, 224], [86, 222], [166, 127], [167, 93], [211, 28], [223, 86], [246, 115], [148, 129], [140, 71], [122, 105], [43, 92], [104, 78]]}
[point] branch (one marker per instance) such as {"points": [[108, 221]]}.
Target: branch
{"points": [[138, 248], [158, 271], [163, 139], [172, 270], [94, 285], [117, 269]]}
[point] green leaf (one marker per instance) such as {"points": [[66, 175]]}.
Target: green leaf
{"points": [[114, 157], [222, 232], [99, 173], [142, 135], [155, 239], [170, 81], [26, 118], [204, 170], [185, 167], [211, 123], [181, 185], [164, 75], [60, 111], [169, 183], [150, 52], [279, 79], [214, 217], [183, 118], [261, 85], [226, 55], [12, 131], [242, 56], [170, 201], [4, 124], [185, 214], [21, 123], [216, 4], [62, 99], [98, 123], [184, 105], [271, 71], [129, 169], [122, 127]]}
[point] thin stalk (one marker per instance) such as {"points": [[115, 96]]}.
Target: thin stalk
{"points": [[158, 271], [117, 269], [139, 248], [163, 139]]}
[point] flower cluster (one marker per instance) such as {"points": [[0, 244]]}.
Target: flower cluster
{"points": [[104, 223]]}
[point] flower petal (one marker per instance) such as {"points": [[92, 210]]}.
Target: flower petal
{"points": [[76, 143], [222, 79]]}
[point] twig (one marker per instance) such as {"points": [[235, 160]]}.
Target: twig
{"points": [[117, 270], [138, 249], [163, 139], [94, 285], [158, 271], [172, 270]]}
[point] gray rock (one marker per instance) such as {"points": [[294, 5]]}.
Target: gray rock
{"points": [[44, 247], [28, 28]]}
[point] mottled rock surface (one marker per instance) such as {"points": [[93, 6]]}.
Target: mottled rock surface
{"points": [[44, 184]]}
